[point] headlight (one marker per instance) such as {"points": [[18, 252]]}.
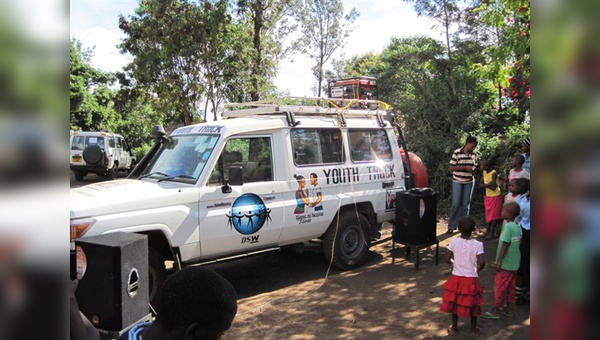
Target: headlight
{"points": [[79, 228]]}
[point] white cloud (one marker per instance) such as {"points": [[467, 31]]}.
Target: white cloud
{"points": [[106, 54]]}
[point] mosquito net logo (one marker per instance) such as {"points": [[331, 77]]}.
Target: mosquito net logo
{"points": [[248, 214]]}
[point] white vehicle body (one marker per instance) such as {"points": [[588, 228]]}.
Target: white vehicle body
{"points": [[99, 152], [185, 200]]}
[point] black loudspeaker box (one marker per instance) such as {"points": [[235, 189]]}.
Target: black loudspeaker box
{"points": [[113, 292], [416, 217]]}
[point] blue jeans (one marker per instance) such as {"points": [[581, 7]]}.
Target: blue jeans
{"points": [[461, 202]]}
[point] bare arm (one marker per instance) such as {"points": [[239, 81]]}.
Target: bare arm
{"points": [[501, 255], [492, 185], [80, 326], [449, 257], [466, 168], [480, 262]]}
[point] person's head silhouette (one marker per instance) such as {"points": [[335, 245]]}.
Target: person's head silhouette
{"points": [[195, 303]]}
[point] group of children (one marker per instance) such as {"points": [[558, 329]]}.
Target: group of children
{"points": [[463, 295]]}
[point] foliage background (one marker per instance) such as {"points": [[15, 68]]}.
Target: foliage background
{"points": [[475, 80]]}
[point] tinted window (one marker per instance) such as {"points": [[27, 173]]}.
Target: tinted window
{"points": [[253, 154], [317, 146], [78, 143], [369, 145]]}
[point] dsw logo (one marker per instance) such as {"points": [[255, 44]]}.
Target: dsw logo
{"points": [[250, 239]]}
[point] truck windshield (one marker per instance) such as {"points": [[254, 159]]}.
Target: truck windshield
{"points": [[182, 158]]}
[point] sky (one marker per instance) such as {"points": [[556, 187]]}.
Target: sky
{"points": [[95, 24]]}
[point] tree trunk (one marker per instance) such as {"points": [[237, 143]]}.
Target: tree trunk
{"points": [[451, 64], [205, 109], [258, 23], [320, 73]]}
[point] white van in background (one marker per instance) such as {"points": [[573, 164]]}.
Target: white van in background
{"points": [[102, 153]]}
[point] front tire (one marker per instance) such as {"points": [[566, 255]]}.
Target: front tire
{"points": [[112, 172], [344, 243], [79, 175], [157, 275]]}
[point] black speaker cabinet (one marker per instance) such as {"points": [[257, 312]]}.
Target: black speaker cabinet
{"points": [[416, 217], [113, 292]]}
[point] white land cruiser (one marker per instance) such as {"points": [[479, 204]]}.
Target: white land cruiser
{"points": [[102, 153], [267, 176]]}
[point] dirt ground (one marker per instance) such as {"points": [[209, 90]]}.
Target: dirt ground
{"points": [[294, 296], [286, 295]]}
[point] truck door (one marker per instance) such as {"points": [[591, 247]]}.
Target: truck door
{"points": [[250, 216]]}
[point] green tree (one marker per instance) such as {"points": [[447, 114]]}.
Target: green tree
{"points": [[91, 106], [182, 50], [324, 29], [138, 116], [269, 23], [446, 13]]}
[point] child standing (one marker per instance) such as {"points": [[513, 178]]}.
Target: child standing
{"points": [[508, 257], [513, 192], [524, 221], [463, 296], [517, 170], [492, 200]]}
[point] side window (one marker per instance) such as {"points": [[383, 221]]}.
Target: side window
{"points": [[119, 142], [78, 143], [317, 146], [253, 154], [369, 145], [111, 142]]}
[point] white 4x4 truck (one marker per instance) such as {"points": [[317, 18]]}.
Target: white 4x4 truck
{"points": [[99, 152], [268, 175]]}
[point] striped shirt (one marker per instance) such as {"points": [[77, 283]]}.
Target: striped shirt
{"points": [[460, 158]]}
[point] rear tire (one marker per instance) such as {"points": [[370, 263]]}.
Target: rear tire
{"points": [[79, 176], [157, 275], [344, 243]]}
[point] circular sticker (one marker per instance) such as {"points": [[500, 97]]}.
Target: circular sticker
{"points": [[248, 214]]}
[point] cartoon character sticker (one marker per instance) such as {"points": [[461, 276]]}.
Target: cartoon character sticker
{"points": [[307, 198], [390, 202], [302, 196]]}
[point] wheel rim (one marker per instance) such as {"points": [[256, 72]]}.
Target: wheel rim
{"points": [[351, 244]]}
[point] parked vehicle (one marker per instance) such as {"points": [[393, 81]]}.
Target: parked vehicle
{"points": [[269, 175], [102, 153]]}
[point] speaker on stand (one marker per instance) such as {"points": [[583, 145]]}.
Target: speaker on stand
{"points": [[416, 219]]}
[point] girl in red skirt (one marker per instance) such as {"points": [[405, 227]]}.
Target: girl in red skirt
{"points": [[463, 296], [492, 200]]}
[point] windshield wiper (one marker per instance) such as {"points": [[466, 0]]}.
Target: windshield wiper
{"points": [[154, 173], [178, 176]]}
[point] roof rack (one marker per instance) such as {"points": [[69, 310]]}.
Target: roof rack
{"points": [[307, 106]]}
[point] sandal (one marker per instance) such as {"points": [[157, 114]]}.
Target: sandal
{"points": [[505, 313], [452, 331], [488, 315]]}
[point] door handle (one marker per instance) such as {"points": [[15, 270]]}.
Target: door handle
{"points": [[268, 197]]}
